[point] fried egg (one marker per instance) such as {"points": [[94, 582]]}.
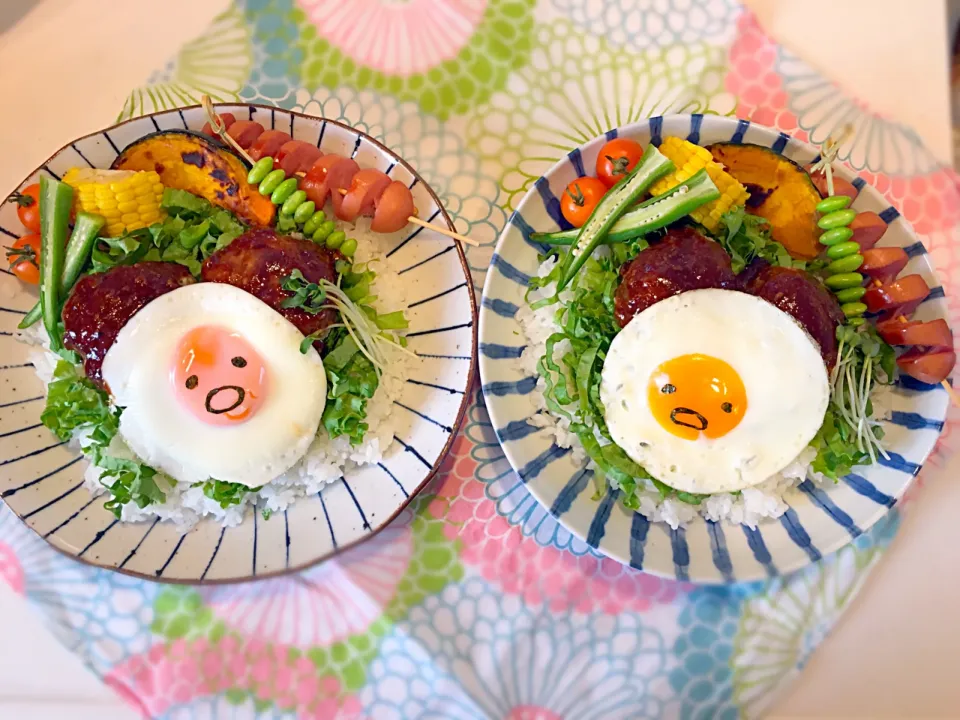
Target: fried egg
{"points": [[713, 390], [213, 386]]}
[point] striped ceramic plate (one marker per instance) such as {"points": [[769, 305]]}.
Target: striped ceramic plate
{"points": [[820, 519], [41, 478]]}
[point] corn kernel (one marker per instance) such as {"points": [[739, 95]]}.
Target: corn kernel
{"points": [[128, 199], [690, 158]]}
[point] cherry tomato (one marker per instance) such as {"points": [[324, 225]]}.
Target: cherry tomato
{"points": [[928, 366], [902, 295], [935, 333], [580, 198], [883, 264], [24, 258], [617, 158], [28, 207]]}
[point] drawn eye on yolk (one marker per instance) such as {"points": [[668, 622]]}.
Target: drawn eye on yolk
{"points": [[218, 375], [696, 394]]}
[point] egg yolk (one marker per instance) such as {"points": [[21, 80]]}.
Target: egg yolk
{"points": [[218, 375], [697, 394]]}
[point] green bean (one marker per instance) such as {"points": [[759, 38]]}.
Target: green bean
{"points": [[842, 250], [335, 239], [315, 221], [853, 309], [851, 294], [260, 170], [283, 191], [832, 204], [836, 219], [349, 247], [304, 211], [293, 202], [842, 281], [835, 236], [845, 265], [272, 181], [322, 232]]}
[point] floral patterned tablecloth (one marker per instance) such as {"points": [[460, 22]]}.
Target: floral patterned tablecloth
{"points": [[475, 603]]}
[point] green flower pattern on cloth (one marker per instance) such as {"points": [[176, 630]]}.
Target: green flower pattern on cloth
{"points": [[395, 571], [298, 39], [577, 87], [216, 64], [461, 608]]}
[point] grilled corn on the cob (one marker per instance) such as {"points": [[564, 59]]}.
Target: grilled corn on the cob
{"points": [[128, 199], [690, 158]]}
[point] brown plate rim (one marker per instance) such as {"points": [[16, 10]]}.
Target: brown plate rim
{"points": [[461, 413]]}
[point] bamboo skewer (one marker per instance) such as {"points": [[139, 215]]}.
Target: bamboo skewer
{"points": [[449, 233], [218, 126], [954, 398]]}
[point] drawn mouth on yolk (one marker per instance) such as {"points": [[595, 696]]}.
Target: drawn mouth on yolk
{"points": [[696, 394], [240, 395]]}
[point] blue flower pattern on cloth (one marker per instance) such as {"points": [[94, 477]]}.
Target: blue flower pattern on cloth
{"points": [[471, 652]]}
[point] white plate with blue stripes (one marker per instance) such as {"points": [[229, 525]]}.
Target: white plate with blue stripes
{"points": [[41, 479], [820, 520]]}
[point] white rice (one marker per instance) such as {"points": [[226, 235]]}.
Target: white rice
{"points": [[766, 500], [326, 460]]}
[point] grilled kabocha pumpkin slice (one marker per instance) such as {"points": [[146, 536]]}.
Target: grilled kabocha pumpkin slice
{"points": [[190, 161], [780, 192]]}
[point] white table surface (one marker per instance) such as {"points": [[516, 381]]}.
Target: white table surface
{"points": [[895, 652]]}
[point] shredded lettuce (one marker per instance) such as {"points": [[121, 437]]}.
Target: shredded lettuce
{"points": [[133, 482], [75, 404], [226, 493], [351, 381], [191, 232], [746, 237], [572, 380]]}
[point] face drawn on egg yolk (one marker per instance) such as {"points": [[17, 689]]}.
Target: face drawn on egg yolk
{"points": [[218, 375], [696, 394]]}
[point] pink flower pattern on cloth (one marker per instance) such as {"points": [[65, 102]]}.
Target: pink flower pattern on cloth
{"points": [[11, 572], [530, 712], [322, 605], [397, 38], [542, 575], [931, 201], [175, 674]]}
